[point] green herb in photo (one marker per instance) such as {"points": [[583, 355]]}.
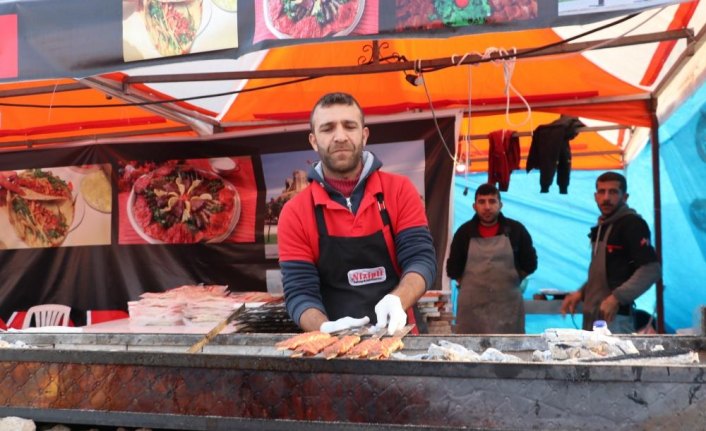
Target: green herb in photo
{"points": [[459, 13]]}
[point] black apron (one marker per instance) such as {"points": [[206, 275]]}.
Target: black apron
{"points": [[355, 272]]}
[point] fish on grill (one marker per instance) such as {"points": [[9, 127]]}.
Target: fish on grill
{"points": [[361, 350], [297, 340], [312, 348], [385, 347], [340, 347]]}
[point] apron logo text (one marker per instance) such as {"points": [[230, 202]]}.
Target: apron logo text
{"points": [[360, 277]]}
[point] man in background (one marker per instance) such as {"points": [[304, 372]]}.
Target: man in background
{"points": [[623, 262], [490, 256]]}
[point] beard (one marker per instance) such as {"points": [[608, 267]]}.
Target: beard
{"points": [[488, 219], [608, 208], [342, 160]]}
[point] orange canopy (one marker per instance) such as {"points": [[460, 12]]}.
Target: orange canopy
{"points": [[542, 80], [617, 86]]}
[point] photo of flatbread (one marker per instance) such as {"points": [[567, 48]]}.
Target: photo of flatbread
{"points": [[97, 191], [40, 185], [227, 5], [173, 25], [165, 28], [48, 207]]}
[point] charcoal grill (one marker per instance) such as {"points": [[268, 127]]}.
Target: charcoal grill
{"points": [[240, 381]]}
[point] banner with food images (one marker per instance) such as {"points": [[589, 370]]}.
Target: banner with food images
{"points": [[158, 28], [56, 207], [94, 227], [85, 37], [187, 201]]}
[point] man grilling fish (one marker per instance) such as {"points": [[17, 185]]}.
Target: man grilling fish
{"points": [[354, 246]]}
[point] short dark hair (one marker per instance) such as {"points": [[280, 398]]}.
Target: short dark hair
{"points": [[330, 99], [487, 189], [613, 176]]}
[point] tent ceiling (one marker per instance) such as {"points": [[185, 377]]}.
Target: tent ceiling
{"points": [[589, 80]]}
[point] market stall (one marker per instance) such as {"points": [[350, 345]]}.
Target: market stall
{"points": [[243, 92], [138, 119]]}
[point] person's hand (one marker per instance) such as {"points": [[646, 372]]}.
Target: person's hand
{"points": [[343, 324], [570, 302], [390, 313], [609, 308]]}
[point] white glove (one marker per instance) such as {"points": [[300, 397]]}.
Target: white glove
{"points": [[390, 313], [343, 323]]}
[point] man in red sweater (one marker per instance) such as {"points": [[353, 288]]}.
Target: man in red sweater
{"points": [[354, 245]]}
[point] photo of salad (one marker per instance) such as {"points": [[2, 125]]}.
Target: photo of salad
{"points": [[430, 14]]}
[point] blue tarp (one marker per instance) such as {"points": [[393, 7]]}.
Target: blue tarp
{"points": [[559, 224]]}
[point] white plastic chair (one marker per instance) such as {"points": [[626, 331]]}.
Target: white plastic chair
{"points": [[47, 315]]}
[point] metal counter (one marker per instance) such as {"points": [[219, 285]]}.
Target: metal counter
{"points": [[240, 382]]}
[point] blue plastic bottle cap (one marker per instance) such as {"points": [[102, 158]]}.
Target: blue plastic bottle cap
{"points": [[599, 324]]}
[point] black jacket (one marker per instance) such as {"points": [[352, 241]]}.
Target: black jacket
{"points": [[628, 247], [520, 239], [550, 152]]}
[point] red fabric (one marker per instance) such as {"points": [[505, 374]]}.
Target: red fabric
{"points": [[664, 49], [411, 320], [630, 112], [488, 231], [503, 157], [100, 316], [82, 125], [344, 186], [16, 319], [3, 326], [9, 59]]}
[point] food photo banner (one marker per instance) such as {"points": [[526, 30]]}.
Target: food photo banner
{"points": [[94, 227], [79, 38]]}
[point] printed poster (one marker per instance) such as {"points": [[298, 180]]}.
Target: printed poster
{"points": [[156, 28]]}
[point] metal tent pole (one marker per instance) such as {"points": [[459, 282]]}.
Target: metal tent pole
{"points": [[654, 136]]}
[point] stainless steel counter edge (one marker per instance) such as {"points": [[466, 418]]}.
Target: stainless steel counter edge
{"points": [[122, 349]]}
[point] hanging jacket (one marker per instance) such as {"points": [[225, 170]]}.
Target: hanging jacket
{"points": [[551, 154], [503, 157]]}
